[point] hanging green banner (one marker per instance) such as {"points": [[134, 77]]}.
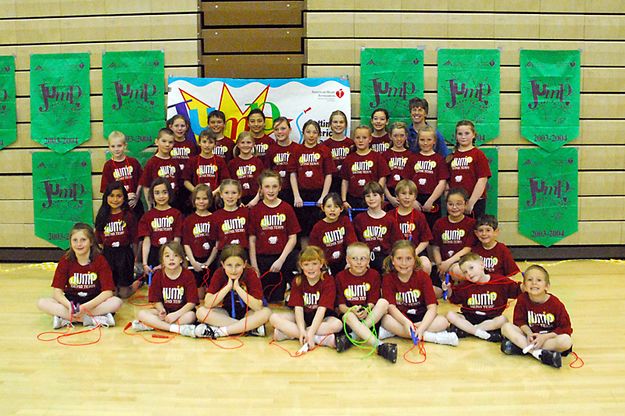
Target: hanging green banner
{"points": [[389, 78], [550, 95], [492, 187], [62, 194], [60, 109], [133, 96], [8, 118], [468, 89], [548, 194]]}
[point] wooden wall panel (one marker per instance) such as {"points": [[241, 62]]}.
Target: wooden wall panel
{"points": [[252, 13]]}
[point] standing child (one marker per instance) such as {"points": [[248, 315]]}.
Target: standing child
{"points": [[231, 222], [206, 167], [483, 299], [116, 232], [313, 320], [380, 140], [281, 157], [246, 168], [262, 142], [273, 229], [224, 145], [469, 170], [412, 302], [334, 233], [541, 325], [159, 225], [359, 301], [183, 148], [375, 227], [400, 161], [496, 256], [339, 145], [197, 236], [419, 108], [237, 288], [161, 165], [173, 293], [82, 284], [360, 167]]}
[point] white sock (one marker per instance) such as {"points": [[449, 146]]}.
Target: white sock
{"points": [[385, 333], [480, 333], [223, 331], [429, 336], [325, 340], [175, 328], [536, 353], [279, 335], [354, 336]]}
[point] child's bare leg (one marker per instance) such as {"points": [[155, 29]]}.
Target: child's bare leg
{"points": [[426, 264], [253, 320], [437, 333], [330, 325], [379, 310], [125, 292], [150, 318], [461, 322], [560, 343], [360, 329], [54, 308], [393, 325], [514, 334], [437, 291], [110, 305], [214, 316], [285, 323], [492, 324]]}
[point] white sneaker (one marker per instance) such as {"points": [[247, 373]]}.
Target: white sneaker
{"points": [[385, 333], [58, 322], [258, 332], [447, 338], [187, 330], [207, 331], [140, 326], [102, 320]]}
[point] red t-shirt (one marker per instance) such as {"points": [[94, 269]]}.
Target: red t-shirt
{"points": [[173, 294], [182, 152], [400, 165], [452, 237], [247, 173], [281, 159], [359, 169], [428, 172], [272, 227], [465, 168], [231, 227], [413, 226], [339, 150], [120, 230], [310, 297], [488, 299], [312, 164], [223, 148], [128, 172], [412, 297], [249, 281], [210, 171], [550, 316], [83, 283], [381, 144], [378, 233], [333, 238], [156, 167], [358, 290], [497, 260], [161, 226], [262, 145], [197, 233]]}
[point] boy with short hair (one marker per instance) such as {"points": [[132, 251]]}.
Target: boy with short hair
{"points": [[496, 256], [206, 167], [418, 113], [162, 165]]}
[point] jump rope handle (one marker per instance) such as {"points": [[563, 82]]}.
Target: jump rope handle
{"points": [[233, 313], [150, 278], [447, 279], [309, 204], [413, 335]]}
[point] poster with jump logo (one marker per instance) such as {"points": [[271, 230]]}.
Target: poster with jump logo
{"points": [[8, 116]]}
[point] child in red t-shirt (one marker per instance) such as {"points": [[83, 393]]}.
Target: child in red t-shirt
{"points": [[231, 222], [246, 168], [82, 286], [380, 140], [162, 165], [339, 145], [224, 145], [234, 299], [541, 325], [281, 157], [399, 159], [262, 142], [182, 152], [173, 294], [313, 320], [206, 167], [497, 257]]}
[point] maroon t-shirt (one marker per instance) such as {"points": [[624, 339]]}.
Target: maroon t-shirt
{"points": [[465, 168], [120, 230], [262, 145], [281, 159], [452, 237], [272, 227], [400, 165], [381, 144], [378, 233], [231, 227], [156, 167], [413, 226], [312, 164], [249, 281], [223, 148], [412, 297], [128, 172], [497, 260], [310, 297], [197, 233], [358, 290], [428, 171], [550, 316], [210, 171], [182, 152], [247, 173], [360, 169], [173, 294], [333, 238], [487, 299], [161, 226], [339, 150], [83, 283]]}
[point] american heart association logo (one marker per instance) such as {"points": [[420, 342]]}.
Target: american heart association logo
{"points": [[340, 93]]}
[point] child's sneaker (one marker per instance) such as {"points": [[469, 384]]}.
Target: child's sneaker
{"points": [[102, 320], [447, 338], [258, 332], [58, 322], [388, 351], [187, 330], [342, 342], [459, 332], [552, 358], [205, 331], [139, 326], [509, 348], [495, 336]]}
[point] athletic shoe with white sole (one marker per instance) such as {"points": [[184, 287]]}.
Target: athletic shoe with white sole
{"points": [[388, 351], [187, 330], [140, 326], [102, 320], [447, 338], [58, 322], [206, 331], [258, 332], [552, 358]]}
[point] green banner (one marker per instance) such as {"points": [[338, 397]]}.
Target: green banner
{"points": [[60, 109], [492, 187], [62, 194], [389, 78], [548, 194], [550, 95], [468, 89], [133, 96], [8, 118]]}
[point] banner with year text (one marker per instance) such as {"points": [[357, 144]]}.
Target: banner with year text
{"points": [[8, 116], [492, 187]]}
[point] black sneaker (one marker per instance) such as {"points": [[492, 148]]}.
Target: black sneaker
{"points": [[205, 331], [552, 358], [495, 336], [459, 332], [509, 348], [388, 351], [342, 342]]}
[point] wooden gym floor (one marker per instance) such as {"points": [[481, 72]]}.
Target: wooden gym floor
{"points": [[127, 375]]}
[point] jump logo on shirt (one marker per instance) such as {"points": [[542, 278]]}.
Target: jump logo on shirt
{"points": [[233, 225], [482, 300], [425, 166], [162, 223], [167, 171], [362, 167], [281, 159], [206, 170], [334, 237], [407, 228], [180, 152], [261, 148], [308, 159], [374, 232], [173, 294], [245, 171], [357, 292], [340, 152], [273, 221], [541, 319], [453, 236], [380, 147], [220, 150], [408, 298], [461, 163], [397, 162], [311, 300], [114, 228], [490, 262], [123, 173], [201, 229], [83, 280]]}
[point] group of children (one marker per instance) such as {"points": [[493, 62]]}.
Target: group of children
{"points": [[252, 199]]}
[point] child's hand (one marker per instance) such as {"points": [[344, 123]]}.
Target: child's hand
{"points": [[276, 266], [416, 205], [310, 339], [361, 313], [539, 339], [298, 202], [132, 199], [443, 268], [346, 205], [468, 209], [162, 315], [394, 202], [197, 266], [147, 269], [419, 332], [427, 207], [445, 286], [171, 318], [302, 336]]}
